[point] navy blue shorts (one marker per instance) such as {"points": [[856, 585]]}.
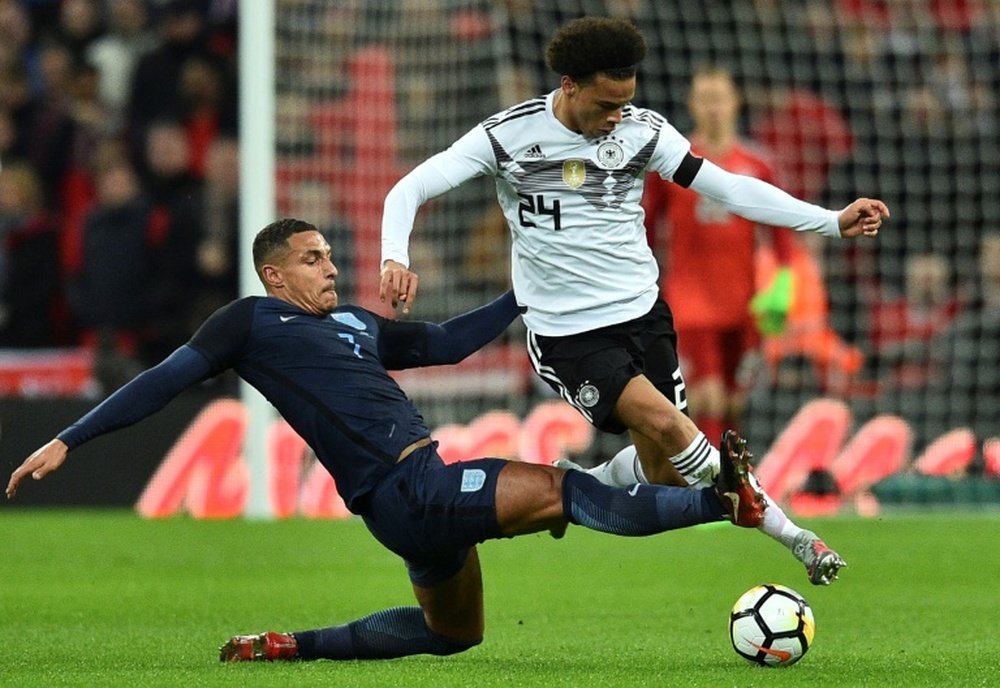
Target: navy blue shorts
{"points": [[430, 514]]}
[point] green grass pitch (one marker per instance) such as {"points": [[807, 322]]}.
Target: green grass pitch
{"points": [[98, 598]]}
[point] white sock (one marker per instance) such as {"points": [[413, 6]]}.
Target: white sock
{"points": [[698, 463], [621, 470], [776, 522]]}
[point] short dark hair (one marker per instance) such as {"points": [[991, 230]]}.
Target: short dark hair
{"points": [[589, 46], [274, 238]]}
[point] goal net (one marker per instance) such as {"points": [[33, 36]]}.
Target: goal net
{"points": [[892, 100]]}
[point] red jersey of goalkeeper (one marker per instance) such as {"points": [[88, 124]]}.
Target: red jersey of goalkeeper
{"points": [[706, 253]]}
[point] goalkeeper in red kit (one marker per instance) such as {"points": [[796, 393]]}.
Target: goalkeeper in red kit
{"points": [[707, 256]]}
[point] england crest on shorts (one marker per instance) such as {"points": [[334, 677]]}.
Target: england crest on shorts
{"points": [[473, 479]]}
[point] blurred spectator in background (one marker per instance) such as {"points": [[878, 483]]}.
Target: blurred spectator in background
{"points": [[205, 110], [30, 278], [19, 106], [8, 137], [311, 198], [807, 135], [964, 358], [80, 23], [120, 290], [156, 81], [989, 273], [167, 170], [15, 37], [903, 325], [217, 251], [90, 131], [115, 54], [49, 125], [707, 260], [176, 196], [90, 120]]}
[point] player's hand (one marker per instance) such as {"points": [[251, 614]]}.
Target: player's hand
{"points": [[42, 462], [771, 304], [399, 285], [864, 216]]}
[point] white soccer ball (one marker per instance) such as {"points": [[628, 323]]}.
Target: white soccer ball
{"points": [[771, 625]]}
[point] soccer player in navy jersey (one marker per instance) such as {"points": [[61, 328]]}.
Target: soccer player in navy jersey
{"points": [[569, 167], [324, 367]]}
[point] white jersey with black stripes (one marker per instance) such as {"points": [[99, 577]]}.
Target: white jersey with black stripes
{"points": [[579, 254]]}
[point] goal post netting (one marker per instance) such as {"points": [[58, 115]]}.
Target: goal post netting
{"points": [[893, 100]]}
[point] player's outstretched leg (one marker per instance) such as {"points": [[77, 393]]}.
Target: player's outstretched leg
{"points": [[821, 562], [638, 510], [532, 498], [449, 620], [262, 647], [387, 634], [644, 509]]}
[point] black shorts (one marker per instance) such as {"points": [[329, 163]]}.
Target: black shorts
{"points": [[590, 369], [430, 513]]}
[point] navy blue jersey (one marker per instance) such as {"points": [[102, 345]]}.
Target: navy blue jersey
{"points": [[327, 377]]}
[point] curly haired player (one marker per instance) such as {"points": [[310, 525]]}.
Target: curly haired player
{"points": [[569, 168]]}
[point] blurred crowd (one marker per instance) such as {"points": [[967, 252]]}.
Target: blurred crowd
{"points": [[118, 164]]}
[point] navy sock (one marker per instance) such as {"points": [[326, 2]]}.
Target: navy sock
{"points": [[636, 510], [395, 632]]}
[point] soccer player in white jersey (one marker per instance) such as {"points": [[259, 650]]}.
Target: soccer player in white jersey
{"points": [[569, 168]]}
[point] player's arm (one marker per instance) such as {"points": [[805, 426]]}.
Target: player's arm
{"points": [[768, 205], [404, 344], [144, 395], [211, 350], [469, 157]]}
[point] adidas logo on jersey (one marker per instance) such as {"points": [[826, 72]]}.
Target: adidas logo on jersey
{"points": [[534, 152]]}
